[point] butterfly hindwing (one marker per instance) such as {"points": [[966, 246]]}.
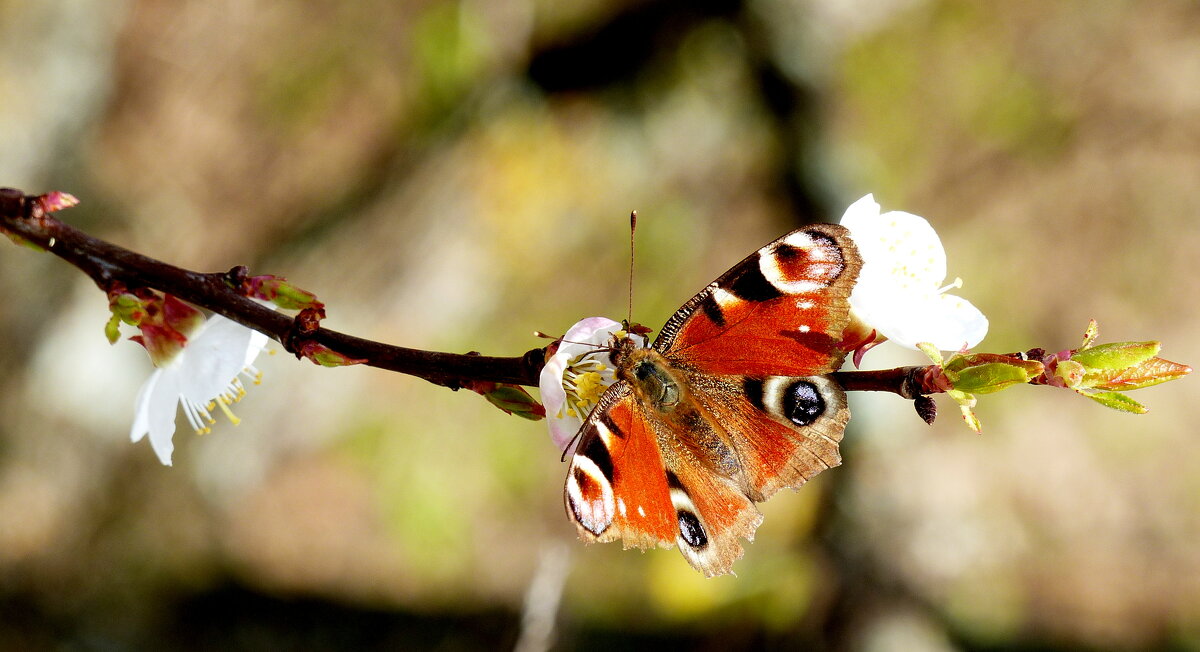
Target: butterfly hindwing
{"points": [[617, 484], [785, 429]]}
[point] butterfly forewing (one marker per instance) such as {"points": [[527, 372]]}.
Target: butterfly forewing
{"points": [[617, 483], [781, 311], [633, 478]]}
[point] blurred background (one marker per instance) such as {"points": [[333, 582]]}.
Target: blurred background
{"points": [[455, 175]]}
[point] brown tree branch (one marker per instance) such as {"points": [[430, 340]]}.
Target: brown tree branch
{"points": [[110, 266]]}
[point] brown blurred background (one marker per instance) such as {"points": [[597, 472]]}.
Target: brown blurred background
{"points": [[455, 175]]}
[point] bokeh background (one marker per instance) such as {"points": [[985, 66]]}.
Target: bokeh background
{"points": [[455, 175]]}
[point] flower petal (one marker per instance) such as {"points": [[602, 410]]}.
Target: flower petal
{"points": [[141, 409], [162, 403], [579, 339], [258, 342], [216, 354], [898, 292], [948, 322], [895, 245], [563, 430]]}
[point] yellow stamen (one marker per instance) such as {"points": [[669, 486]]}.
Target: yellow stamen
{"points": [[224, 405]]}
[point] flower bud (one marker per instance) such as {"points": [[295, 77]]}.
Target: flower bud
{"points": [[279, 291], [1070, 373], [511, 399], [325, 356], [56, 201]]}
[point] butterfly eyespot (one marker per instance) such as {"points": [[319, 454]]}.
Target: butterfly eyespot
{"points": [[803, 403], [691, 531]]}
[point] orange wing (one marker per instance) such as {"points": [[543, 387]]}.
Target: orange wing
{"points": [[783, 429], [632, 479], [780, 311], [617, 485]]}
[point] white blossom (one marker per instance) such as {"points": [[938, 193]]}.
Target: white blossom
{"points": [[204, 376], [578, 373], [901, 290]]}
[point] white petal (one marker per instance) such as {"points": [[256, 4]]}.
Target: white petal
{"points": [[861, 214], [948, 322], [902, 246], [213, 357], [141, 408], [550, 385], [163, 402], [563, 430], [258, 342], [962, 325], [578, 339], [581, 337]]}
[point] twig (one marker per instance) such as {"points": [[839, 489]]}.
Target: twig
{"points": [[109, 266]]}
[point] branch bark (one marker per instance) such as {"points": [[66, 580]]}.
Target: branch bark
{"points": [[109, 265]]}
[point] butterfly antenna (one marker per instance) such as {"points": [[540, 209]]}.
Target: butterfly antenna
{"points": [[632, 231], [571, 444], [561, 339]]}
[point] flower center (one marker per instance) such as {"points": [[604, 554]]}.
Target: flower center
{"points": [[199, 415], [584, 381]]}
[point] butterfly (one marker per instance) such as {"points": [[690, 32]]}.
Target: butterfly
{"points": [[731, 404]]}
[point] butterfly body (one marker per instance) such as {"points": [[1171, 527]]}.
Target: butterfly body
{"points": [[731, 404]]}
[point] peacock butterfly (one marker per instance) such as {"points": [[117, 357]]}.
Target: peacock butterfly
{"points": [[731, 404]]}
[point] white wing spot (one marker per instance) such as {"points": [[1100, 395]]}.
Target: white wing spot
{"points": [[724, 298], [606, 435], [799, 240], [593, 515]]}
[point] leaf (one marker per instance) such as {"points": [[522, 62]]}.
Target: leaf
{"points": [[1090, 335], [1116, 401], [1149, 372], [1116, 355], [930, 352], [991, 377]]}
